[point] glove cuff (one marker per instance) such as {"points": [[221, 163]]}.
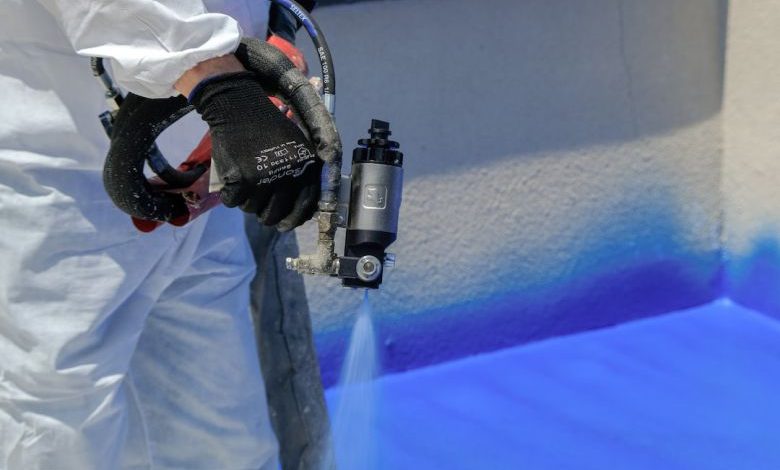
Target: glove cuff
{"points": [[198, 89]]}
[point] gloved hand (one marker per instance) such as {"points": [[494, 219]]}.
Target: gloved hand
{"points": [[267, 165], [233, 105], [197, 196]]}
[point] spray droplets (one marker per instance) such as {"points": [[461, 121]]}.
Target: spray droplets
{"points": [[354, 421]]}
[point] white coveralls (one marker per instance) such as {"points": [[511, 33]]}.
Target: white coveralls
{"points": [[117, 349]]}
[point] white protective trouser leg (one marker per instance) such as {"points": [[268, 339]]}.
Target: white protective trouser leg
{"points": [[196, 364], [117, 349], [163, 376]]}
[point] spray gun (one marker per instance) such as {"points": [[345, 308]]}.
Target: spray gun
{"points": [[368, 206], [375, 202], [366, 203]]}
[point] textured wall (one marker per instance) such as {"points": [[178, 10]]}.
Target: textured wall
{"points": [[751, 182], [562, 165]]}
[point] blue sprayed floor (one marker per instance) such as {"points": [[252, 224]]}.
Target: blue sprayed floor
{"points": [[696, 389]]}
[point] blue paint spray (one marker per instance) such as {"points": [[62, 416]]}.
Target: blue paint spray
{"points": [[354, 424]]}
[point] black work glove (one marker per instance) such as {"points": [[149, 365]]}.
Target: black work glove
{"points": [[267, 165]]}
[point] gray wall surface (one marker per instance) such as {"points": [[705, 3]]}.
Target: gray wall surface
{"points": [[546, 143]]}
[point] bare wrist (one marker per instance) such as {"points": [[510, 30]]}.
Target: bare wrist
{"points": [[208, 68]]}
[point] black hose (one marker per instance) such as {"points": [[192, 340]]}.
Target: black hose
{"points": [[283, 23], [138, 124], [174, 179], [321, 46], [113, 97], [96, 63]]}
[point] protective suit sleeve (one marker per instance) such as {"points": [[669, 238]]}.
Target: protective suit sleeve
{"points": [[150, 43]]}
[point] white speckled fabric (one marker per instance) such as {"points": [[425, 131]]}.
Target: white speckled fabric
{"points": [[117, 349], [151, 43]]}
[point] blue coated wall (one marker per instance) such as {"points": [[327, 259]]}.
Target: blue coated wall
{"points": [[562, 167]]}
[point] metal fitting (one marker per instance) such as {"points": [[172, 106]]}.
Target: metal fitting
{"points": [[327, 222], [368, 268]]}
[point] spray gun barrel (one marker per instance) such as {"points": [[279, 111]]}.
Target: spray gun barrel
{"points": [[375, 203]]}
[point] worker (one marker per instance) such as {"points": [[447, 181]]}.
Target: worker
{"points": [[120, 349]]}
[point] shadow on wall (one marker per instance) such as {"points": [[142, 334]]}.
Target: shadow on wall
{"points": [[466, 82]]}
